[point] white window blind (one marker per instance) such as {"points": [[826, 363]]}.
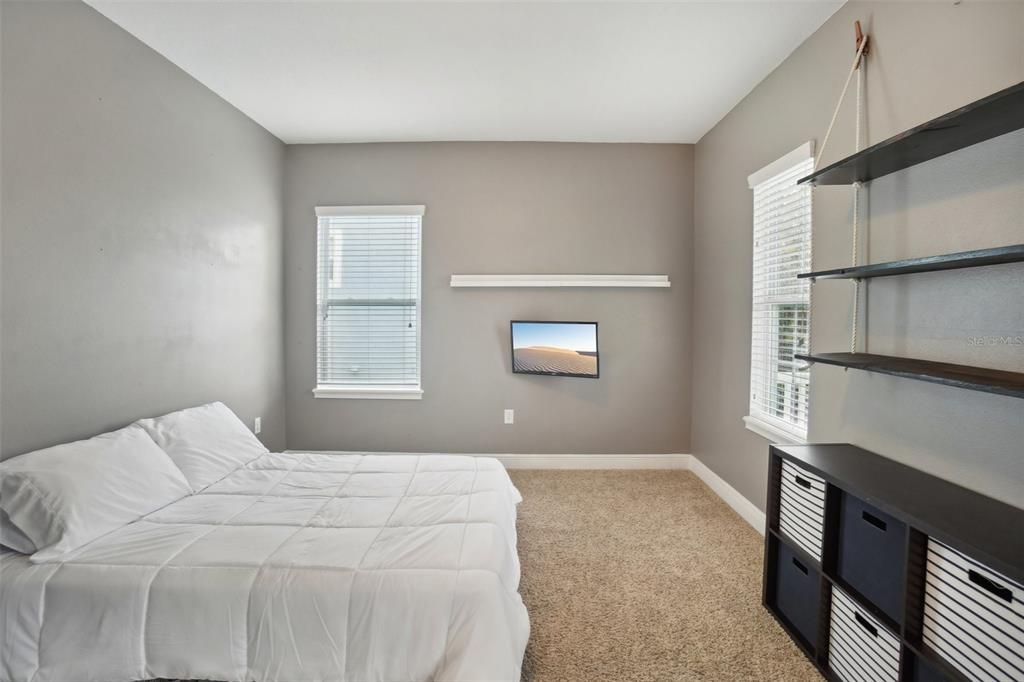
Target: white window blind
{"points": [[368, 301], [780, 325]]}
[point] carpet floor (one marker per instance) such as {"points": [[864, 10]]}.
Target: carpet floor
{"points": [[634, 576]]}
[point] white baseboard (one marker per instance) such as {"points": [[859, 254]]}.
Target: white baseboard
{"points": [[674, 461], [747, 510]]}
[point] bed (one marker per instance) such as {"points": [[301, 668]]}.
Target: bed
{"points": [[292, 567]]}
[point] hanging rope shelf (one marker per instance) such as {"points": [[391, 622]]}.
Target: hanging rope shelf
{"points": [[990, 117]]}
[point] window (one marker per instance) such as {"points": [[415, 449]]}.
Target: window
{"points": [[368, 301], [780, 324]]}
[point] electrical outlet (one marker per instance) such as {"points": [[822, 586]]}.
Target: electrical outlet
{"points": [[257, 425], [510, 416]]}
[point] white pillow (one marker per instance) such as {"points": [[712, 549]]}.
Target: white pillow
{"points": [[206, 442], [62, 497], [12, 538]]}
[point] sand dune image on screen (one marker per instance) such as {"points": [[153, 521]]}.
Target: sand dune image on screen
{"points": [[555, 348]]}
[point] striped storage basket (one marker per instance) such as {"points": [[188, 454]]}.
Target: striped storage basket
{"points": [[802, 508], [860, 649], [973, 616]]}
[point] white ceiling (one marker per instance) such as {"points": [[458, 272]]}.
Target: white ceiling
{"points": [[541, 71]]}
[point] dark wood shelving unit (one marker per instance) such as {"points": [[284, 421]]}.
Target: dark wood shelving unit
{"points": [[989, 117], [997, 381], [948, 261], [919, 509]]}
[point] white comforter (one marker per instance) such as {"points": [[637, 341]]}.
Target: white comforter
{"points": [[295, 567]]}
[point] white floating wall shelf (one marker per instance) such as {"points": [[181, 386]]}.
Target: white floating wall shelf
{"points": [[656, 281]]}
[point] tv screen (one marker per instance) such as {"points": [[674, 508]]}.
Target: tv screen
{"points": [[565, 349]]}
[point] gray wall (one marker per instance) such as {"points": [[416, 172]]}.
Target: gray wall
{"points": [[509, 208], [142, 251], [141, 260], [927, 58]]}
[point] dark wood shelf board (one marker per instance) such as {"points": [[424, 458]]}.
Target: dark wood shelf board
{"points": [[796, 549], [922, 652], [881, 616], [949, 261], [996, 381], [978, 526], [989, 117]]}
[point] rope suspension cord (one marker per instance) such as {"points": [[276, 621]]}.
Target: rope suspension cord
{"points": [[858, 61], [835, 114], [856, 222]]}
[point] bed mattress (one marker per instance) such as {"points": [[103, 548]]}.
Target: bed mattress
{"points": [[296, 567]]}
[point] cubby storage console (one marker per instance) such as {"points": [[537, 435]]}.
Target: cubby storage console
{"points": [[882, 572]]}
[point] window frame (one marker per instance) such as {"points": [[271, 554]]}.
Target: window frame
{"points": [[772, 428], [369, 391]]}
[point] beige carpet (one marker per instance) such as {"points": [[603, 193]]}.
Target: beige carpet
{"points": [[643, 575]]}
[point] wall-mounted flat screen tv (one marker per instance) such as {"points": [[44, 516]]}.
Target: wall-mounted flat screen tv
{"points": [[562, 349]]}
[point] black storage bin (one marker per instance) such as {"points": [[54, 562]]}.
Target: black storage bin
{"points": [[871, 556], [923, 671], [797, 592]]}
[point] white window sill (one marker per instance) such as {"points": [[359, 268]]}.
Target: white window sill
{"points": [[771, 432], [369, 392]]}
